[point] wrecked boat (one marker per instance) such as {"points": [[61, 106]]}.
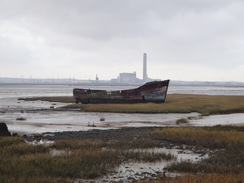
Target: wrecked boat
{"points": [[154, 91]]}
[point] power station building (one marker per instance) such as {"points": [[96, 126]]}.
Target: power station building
{"points": [[131, 77], [128, 77]]}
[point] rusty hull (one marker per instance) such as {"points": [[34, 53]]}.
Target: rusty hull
{"points": [[154, 91]]}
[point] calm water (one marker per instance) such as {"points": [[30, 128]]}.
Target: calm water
{"points": [[14, 91], [48, 121], [207, 90]]}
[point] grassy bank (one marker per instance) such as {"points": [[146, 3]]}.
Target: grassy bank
{"points": [[68, 160], [62, 99], [204, 104], [175, 103]]}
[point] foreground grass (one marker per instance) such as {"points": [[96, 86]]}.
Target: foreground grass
{"points": [[89, 159], [227, 137], [209, 178], [229, 141], [83, 159]]}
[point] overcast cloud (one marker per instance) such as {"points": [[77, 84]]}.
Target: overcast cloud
{"points": [[184, 40]]}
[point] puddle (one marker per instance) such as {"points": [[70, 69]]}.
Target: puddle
{"points": [[223, 119], [40, 142], [180, 154], [57, 152], [132, 171]]}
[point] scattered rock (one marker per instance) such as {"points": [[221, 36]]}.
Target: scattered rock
{"points": [[89, 125], [4, 130], [131, 179], [21, 118], [15, 134], [102, 119], [181, 121]]}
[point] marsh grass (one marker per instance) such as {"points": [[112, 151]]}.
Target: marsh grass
{"points": [[8, 179], [229, 142], [146, 156], [175, 103], [203, 137], [132, 144], [63, 99], [89, 159], [5, 142], [86, 159], [204, 178], [225, 128]]}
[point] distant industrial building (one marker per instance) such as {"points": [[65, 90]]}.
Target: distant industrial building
{"points": [[126, 77]]}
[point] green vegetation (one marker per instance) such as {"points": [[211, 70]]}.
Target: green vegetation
{"points": [[22, 162], [209, 137], [230, 144], [88, 159], [209, 178], [51, 99], [175, 103]]}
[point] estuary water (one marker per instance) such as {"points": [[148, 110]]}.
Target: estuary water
{"points": [[39, 118]]}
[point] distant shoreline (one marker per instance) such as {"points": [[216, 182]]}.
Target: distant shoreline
{"points": [[49, 81]]}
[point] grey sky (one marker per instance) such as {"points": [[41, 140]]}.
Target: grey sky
{"points": [[185, 40]]}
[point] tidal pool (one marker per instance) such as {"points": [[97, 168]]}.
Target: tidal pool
{"points": [[132, 171]]}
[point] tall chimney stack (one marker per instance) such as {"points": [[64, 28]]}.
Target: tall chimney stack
{"points": [[144, 67]]}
